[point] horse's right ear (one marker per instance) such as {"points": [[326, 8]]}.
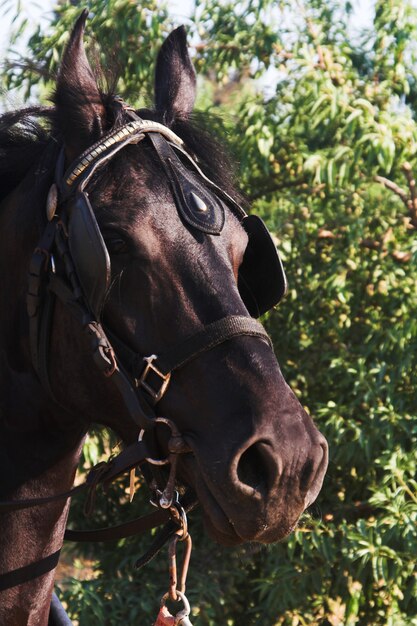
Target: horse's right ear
{"points": [[80, 110], [175, 81]]}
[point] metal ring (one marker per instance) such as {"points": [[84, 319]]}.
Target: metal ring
{"points": [[174, 432], [150, 459], [186, 610]]}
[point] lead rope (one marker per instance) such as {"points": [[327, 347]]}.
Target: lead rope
{"points": [[181, 618], [168, 499]]}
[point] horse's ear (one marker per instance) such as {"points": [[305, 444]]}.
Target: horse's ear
{"points": [[80, 110], [175, 81]]}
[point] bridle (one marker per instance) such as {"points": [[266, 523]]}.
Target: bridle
{"points": [[73, 235], [72, 241]]}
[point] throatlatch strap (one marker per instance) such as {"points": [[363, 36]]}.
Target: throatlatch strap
{"points": [[136, 527], [132, 456], [210, 336], [122, 531]]}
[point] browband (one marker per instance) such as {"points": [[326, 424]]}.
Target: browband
{"points": [[133, 132], [106, 147]]}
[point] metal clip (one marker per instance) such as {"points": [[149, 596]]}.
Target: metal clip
{"points": [[176, 446], [173, 574]]}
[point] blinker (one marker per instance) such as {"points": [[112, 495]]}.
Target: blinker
{"points": [[196, 204], [261, 281], [89, 252]]}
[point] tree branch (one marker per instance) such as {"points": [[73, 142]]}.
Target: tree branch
{"points": [[413, 193], [389, 184], [409, 199]]}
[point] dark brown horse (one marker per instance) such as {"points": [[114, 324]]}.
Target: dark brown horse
{"points": [[255, 459]]}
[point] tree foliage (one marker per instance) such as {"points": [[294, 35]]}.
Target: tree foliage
{"points": [[322, 121]]}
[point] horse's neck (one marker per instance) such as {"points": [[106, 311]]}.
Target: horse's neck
{"points": [[37, 458], [30, 540], [32, 428], [39, 446], [39, 453]]}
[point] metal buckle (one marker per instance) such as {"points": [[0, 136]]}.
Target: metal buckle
{"points": [[141, 382]]}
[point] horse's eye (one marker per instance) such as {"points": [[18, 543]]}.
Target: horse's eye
{"points": [[116, 245]]}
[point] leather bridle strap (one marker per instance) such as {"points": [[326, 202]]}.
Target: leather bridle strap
{"points": [[182, 353], [131, 457], [104, 473], [122, 531], [136, 526], [105, 359], [71, 298], [29, 572], [209, 337]]}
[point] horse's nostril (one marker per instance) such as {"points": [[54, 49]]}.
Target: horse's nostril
{"points": [[313, 472], [252, 469], [306, 476]]}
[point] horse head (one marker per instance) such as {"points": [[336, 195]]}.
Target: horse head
{"points": [[162, 252]]}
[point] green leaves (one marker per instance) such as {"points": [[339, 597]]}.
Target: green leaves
{"points": [[129, 37]]}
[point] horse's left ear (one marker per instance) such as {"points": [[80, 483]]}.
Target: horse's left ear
{"points": [[79, 106], [175, 81]]}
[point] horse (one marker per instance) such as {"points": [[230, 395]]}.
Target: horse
{"points": [[130, 229]]}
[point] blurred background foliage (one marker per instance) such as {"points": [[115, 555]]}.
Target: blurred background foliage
{"points": [[322, 122]]}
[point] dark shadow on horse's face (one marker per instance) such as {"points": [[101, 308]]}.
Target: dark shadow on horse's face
{"points": [[257, 459]]}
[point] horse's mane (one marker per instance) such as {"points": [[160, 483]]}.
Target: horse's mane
{"points": [[24, 135]]}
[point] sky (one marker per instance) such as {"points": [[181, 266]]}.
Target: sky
{"points": [[35, 9]]}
